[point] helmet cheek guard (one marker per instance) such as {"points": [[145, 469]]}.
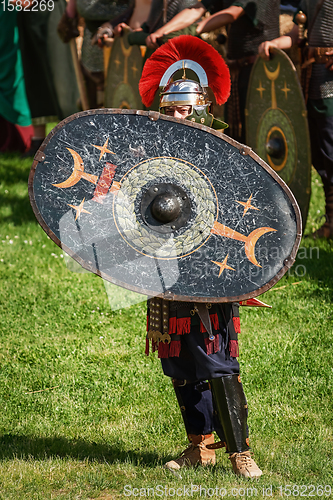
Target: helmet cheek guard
{"points": [[201, 114]]}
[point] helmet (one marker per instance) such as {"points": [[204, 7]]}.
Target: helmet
{"points": [[194, 54], [182, 92]]}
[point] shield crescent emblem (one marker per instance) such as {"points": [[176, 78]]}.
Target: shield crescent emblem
{"points": [[276, 123], [163, 206]]}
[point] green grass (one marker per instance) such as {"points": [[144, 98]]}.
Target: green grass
{"points": [[84, 412]]}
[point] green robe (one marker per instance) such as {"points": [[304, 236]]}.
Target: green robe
{"points": [[48, 67], [13, 100]]}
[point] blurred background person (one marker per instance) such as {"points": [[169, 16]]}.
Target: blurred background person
{"points": [[160, 13], [94, 14], [49, 74], [132, 19], [318, 90], [15, 119]]}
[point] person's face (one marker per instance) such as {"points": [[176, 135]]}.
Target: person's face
{"points": [[178, 111]]}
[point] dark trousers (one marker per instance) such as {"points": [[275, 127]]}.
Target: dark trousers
{"points": [[195, 367], [200, 415]]}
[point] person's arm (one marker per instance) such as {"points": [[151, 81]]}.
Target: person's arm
{"points": [[110, 29], [221, 18], [71, 8], [283, 42], [329, 64], [67, 26], [181, 20]]}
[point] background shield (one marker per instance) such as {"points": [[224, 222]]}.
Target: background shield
{"points": [[123, 75], [276, 123], [163, 206]]}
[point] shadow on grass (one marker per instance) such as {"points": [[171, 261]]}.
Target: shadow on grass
{"points": [[13, 171], [314, 263], [25, 447], [20, 210]]}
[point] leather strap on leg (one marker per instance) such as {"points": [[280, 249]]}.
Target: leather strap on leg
{"points": [[230, 403], [216, 446]]}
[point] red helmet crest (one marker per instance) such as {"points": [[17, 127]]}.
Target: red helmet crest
{"points": [[190, 48]]}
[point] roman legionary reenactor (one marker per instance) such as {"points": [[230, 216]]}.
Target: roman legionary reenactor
{"points": [[201, 358], [164, 205]]}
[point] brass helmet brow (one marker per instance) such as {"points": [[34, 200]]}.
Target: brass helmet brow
{"points": [[185, 91]]}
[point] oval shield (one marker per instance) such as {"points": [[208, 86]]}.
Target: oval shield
{"points": [[276, 123], [163, 206], [123, 75]]}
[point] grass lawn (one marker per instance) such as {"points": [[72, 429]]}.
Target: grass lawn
{"points": [[85, 414]]}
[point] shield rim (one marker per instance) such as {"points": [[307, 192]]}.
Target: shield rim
{"points": [[167, 295]]}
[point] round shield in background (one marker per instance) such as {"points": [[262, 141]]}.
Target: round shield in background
{"points": [[163, 206], [276, 124], [123, 75]]}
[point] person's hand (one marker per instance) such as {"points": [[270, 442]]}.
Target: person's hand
{"points": [[67, 27], [329, 64], [152, 40], [118, 30], [103, 35], [264, 48], [200, 26]]}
